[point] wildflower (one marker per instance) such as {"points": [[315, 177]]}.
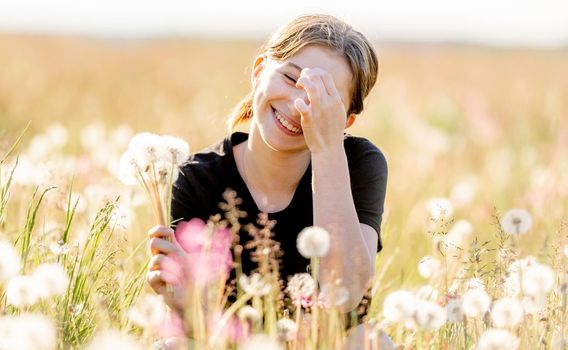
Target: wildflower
{"points": [[28, 331], [286, 329], [301, 285], [148, 312], [51, 280], [22, 291], [475, 302], [254, 285], [9, 261], [430, 316], [176, 150], [260, 342], [113, 339], [538, 280], [334, 295], [429, 266], [454, 311], [507, 313], [313, 242], [497, 339], [516, 221], [149, 146], [249, 313], [399, 306], [440, 209]]}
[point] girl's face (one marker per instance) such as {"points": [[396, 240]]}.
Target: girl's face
{"points": [[275, 116]]}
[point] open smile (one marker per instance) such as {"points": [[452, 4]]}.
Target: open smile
{"points": [[285, 124]]}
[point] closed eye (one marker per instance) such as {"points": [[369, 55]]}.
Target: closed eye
{"points": [[289, 77]]}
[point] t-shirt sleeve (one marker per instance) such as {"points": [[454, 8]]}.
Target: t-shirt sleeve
{"points": [[369, 172]]}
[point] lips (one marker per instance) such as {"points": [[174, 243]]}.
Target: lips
{"points": [[286, 124]]}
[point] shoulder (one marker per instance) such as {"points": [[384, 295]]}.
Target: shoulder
{"points": [[361, 150]]}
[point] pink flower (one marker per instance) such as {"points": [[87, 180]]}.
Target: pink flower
{"points": [[233, 331], [208, 250]]}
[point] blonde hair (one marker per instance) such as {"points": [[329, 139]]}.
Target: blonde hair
{"points": [[323, 30]]}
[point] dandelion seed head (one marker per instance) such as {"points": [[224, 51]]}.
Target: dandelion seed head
{"points": [[474, 283], [429, 267], [130, 167], [149, 145], [476, 302], [255, 284], [9, 261], [249, 313], [22, 291], [430, 316], [177, 149], [27, 331], [454, 311], [427, 292], [51, 280], [440, 209], [497, 339], [113, 339], [149, 311], [464, 192], [512, 284], [286, 329], [313, 242], [516, 222], [507, 313], [301, 285], [538, 280], [260, 342], [399, 306]]}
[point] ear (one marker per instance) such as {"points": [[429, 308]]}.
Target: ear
{"points": [[350, 120], [257, 68]]}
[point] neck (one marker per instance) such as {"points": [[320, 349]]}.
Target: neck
{"points": [[268, 170]]}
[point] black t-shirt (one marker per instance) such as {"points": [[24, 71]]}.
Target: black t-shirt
{"points": [[207, 174]]}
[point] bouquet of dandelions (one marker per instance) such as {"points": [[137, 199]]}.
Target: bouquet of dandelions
{"points": [[152, 161]]}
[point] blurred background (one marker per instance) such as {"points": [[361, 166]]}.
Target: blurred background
{"points": [[471, 103]]}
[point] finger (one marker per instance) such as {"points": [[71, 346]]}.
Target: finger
{"points": [[329, 84], [160, 245], [160, 231], [302, 107], [156, 282], [156, 262], [311, 88]]}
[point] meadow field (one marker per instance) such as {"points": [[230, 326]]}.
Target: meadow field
{"points": [[475, 229]]}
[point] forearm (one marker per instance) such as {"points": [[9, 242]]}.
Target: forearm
{"points": [[349, 258]]}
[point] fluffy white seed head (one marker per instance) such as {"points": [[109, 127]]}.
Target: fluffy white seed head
{"points": [[458, 235], [148, 312], [176, 149], [113, 339], [301, 285], [255, 284], [51, 280], [28, 331], [313, 242], [9, 261], [260, 342], [249, 313], [286, 329], [538, 280], [430, 316], [429, 267], [22, 291], [497, 339], [476, 302], [507, 313], [516, 222], [454, 311], [399, 306]]}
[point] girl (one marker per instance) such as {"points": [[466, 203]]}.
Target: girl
{"points": [[296, 163]]}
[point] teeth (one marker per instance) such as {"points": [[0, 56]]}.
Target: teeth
{"points": [[286, 124]]}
